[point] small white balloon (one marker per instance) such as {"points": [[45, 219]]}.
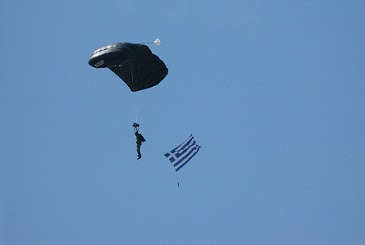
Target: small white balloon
{"points": [[157, 41]]}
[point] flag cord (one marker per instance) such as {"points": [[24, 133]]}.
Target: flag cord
{"points": [[177, 179], [153, 150], [158, 153]]}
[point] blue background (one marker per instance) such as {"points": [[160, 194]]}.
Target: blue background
{"points": [[273, 91]]}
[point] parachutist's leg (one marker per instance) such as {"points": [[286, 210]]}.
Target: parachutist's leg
{"points": [[139, 152]]}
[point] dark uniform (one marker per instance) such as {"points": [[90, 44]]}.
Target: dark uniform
{"points": [[139, 140]]}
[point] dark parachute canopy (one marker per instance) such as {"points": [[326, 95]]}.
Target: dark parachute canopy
{"points": [[134, 63]]}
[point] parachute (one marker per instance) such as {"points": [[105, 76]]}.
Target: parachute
{"points": [[134, 63]]}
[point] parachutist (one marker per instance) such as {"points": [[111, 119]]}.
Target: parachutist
{"points": [[139, 140]]}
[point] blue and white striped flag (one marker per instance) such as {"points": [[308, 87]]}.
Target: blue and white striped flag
{"points": [[183, 153]]}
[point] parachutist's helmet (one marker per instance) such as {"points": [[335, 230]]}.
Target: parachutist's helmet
{"points": [[136, 125]]}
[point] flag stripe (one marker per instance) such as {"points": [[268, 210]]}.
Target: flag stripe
{"points": [[185, 150], [177, 167], [186, 142], [185, 154]]}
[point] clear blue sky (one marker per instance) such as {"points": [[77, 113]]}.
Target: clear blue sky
{"points": [[273, 91]]}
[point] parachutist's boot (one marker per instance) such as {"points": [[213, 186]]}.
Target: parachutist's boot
{"points": [[139, 157]]}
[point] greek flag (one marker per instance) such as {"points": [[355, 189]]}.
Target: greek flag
{"points": [[183, 153]]}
